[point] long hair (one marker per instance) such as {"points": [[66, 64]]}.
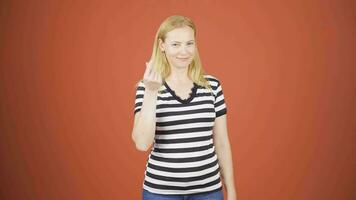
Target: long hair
{"points": [[161, 65]]}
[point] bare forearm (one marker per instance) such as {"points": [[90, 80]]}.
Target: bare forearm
{"points": [[144, 128], [225, 161]]}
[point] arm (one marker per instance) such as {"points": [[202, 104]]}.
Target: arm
{"points": [[223, 150], [145, 122], [143, 132]]}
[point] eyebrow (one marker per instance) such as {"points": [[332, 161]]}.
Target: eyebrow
{"points": [[180, 42]]}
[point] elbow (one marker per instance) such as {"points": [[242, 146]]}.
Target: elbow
{"points": [[221, 145], [142, 147]]}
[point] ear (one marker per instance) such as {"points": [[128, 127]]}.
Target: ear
{"points": [[161, 44]]}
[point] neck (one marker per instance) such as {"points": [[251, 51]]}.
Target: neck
{"points": [[179, 75]]}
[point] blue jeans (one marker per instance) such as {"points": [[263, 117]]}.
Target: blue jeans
{"points": [[215, 195]]}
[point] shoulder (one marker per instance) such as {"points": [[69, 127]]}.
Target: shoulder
{"points": [[140, 84], [140, 87], [213, 80]]}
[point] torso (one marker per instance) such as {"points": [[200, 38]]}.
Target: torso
{"points": [[183, 158]]}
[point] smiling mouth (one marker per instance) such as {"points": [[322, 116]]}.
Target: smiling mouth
{"points": [[183, 58]]}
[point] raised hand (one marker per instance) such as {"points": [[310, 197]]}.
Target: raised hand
{"points": [[151, 78]]}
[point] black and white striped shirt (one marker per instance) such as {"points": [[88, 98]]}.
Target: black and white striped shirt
{"points": [[183, 158]]}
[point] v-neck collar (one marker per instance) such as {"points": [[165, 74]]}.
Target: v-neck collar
{"points": [[176, 97]]}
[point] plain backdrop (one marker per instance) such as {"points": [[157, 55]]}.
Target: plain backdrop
{"points": [[67, 88]]}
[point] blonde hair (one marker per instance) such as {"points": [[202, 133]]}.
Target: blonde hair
{"points": [[161, 65]]}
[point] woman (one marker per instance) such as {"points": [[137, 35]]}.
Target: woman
{"points": [[182, 112]]}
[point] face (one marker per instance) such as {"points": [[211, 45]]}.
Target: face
{"points": [[179, 47]]}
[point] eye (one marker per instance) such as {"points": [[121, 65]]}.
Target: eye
{"points": [[190, 43], [175, 45]]}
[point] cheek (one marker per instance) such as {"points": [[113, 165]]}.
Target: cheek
{"points": [[191, 50], [171, 52]]}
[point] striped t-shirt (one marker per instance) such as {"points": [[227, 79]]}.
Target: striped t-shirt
{"points": [[183, 158]]}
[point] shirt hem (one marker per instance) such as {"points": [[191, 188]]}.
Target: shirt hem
{"points": [[194, 193]]}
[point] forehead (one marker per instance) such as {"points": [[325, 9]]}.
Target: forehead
{"points": [[181, 34]]}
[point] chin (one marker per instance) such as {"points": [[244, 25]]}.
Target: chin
{"points": [[182, 66]]}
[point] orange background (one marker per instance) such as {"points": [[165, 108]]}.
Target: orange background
{"points": [[68, 70]]}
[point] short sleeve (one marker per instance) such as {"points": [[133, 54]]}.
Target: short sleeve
{"points": [[219, 104], [140, 90]]}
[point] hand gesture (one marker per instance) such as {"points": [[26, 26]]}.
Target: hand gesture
{"points": [[151, 78]]}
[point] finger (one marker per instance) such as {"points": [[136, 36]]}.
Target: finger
{"points": [[155, 76], [149, 68], [149, 63], [146, 71], [159, 77]]}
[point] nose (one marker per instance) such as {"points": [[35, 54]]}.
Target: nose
{"points": [[183, 50]]}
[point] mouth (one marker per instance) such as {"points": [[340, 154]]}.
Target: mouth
{"points": [[183, 59]]}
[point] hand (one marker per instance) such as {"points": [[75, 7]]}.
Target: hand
{"points": [[231, 195], [151, 78]]}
